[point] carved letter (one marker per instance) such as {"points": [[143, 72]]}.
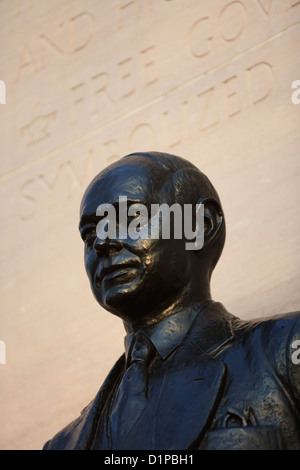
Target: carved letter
{"points": [[227, 96], [232, 11], [26, 61], [261, 75], [101, 90], [79, 176], [194, 40], [58, 50], [291, 4], [207, 105], [133, 14], [127, 90], [82, 18], [29, 198], [149, 75], [266, 10], [76, 101]]}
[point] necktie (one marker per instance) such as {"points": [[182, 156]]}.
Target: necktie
{"points": [[132, 394]]}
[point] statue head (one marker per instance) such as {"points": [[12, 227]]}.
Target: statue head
{"points": [[142, 280]]}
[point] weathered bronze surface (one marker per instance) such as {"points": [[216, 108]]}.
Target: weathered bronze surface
{"points": [[193, 376]]}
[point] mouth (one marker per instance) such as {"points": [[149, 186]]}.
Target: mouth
{"points": [[121, 271]]}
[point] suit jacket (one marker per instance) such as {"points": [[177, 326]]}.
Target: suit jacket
{"points": [[231, 384]]}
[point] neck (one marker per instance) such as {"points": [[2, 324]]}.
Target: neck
{"points": [[185, 301]]}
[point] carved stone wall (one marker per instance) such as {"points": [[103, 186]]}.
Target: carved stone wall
{"points": [[90, 81]]}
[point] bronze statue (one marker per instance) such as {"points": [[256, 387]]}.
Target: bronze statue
{"points": [[193, 376]]}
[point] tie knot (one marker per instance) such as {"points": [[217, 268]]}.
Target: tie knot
{"points": [[141, 349]]}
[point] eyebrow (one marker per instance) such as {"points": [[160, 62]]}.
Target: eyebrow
{"points": [[92, 218], [88, 219]]}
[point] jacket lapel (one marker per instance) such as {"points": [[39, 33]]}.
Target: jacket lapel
{"points": [[187, 405], [194, 382]]}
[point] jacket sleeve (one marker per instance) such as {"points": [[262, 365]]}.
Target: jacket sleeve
{"points": [[62, 439]]}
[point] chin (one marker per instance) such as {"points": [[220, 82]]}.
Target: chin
{"points": [[119, 298]]}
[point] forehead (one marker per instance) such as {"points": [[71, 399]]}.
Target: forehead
{"points": [[137, 181]]}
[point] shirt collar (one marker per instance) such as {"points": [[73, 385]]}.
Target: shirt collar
{"points": [[167, 334]]}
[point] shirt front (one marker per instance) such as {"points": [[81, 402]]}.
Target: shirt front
{"points": [[166, 336]]}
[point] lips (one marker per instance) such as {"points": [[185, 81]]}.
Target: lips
{"points": [[115, 270]]}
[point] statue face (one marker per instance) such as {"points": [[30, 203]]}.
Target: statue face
{"points": [[133, 279]]}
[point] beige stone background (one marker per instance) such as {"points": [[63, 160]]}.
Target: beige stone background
{"points": [[90, 80]]}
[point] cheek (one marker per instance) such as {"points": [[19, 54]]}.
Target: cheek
{"points": [[179, 263], [90, 261]]}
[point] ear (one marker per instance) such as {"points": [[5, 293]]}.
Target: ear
{"points": [[213, 218]]}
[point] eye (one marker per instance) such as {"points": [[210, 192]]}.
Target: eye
{"points": [[129, 218], [88, 235], [140, 212]]}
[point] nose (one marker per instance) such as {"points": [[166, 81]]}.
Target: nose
{"points": [[107, 246]]}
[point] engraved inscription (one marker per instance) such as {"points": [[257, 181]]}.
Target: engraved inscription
{"points": [[37, 129], [200, 37], [27, 62], [131, 10], [55, 47], [231, 21], [149, 74], [75, 99], [101, 89], [79, 174], [198, 111], [168, 124], [293, 3], [229, 26], [260, 82], [193, 114], [81, 30], [71, 36], [45, 190], [231, 100], [126, 80], [265, 7], [50, 185], [208, 116], [29, 199]]}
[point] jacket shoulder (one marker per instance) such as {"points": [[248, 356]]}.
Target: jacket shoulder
{"points": [[277, 328], [277, 339]]}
